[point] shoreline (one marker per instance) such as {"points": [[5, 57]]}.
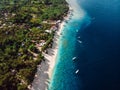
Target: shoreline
{"points": [[45, 69]]}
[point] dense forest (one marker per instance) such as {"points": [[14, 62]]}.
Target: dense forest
{"points": [[22, 29]]}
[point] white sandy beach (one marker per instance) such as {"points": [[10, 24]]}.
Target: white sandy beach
{"points": [[45, 69]]}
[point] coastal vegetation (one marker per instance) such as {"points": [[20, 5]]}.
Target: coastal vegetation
{"points": [[23, 38]]}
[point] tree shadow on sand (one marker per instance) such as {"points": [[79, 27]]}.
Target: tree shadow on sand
{"points": [[41, 80]]}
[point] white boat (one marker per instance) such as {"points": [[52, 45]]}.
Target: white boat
{"points": [[77, 71], [73, 58], [79, 41], [79, 37]]}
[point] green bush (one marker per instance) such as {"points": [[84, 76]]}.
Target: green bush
{"points": [[22, 87]]}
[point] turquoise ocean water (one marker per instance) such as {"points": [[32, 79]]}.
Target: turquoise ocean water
{"points": [[64, 77]]}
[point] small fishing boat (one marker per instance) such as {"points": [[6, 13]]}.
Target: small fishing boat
{"points": [[79, 41], [74, 58], [77, 71]]}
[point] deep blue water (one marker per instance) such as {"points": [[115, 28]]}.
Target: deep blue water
{"points": [[98, 56]]}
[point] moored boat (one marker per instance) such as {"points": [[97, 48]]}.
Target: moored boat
{"points": [[74, 58], [77, 71]]}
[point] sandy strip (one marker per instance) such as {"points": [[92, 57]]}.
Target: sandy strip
{"points": [[45, 69]]}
